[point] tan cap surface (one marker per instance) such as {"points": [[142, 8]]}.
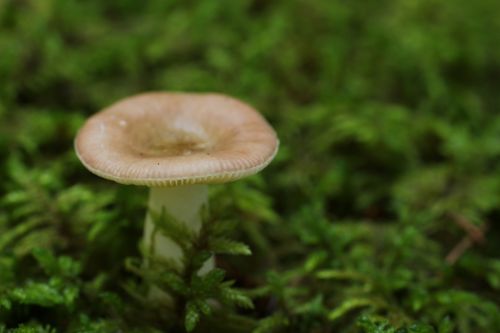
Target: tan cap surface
{"points": [[171, 139]]}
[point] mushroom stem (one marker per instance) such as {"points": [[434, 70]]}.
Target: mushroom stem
{"points": [[182, 203]]}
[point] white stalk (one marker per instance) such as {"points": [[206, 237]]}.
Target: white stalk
{"points": [[183, 203]]}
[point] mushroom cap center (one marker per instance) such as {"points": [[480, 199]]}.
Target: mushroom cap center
{"points": [[153, 140]]}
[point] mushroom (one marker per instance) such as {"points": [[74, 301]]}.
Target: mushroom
{"points": [[176, 144]]}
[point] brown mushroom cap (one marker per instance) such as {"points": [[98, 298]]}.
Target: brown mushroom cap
{"points": [[171, 139]]}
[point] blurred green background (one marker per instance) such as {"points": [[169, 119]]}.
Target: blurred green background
{"points": [[379, 213]]}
